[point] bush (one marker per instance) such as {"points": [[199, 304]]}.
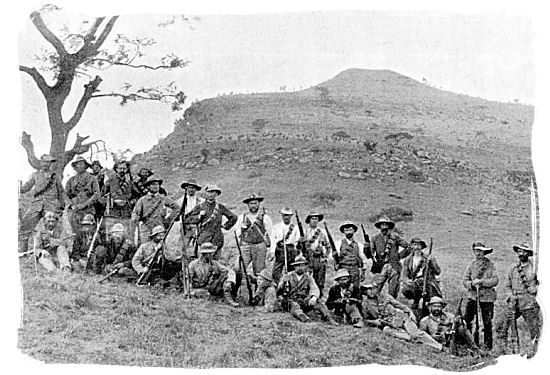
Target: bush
{"points": [[324, 199]]}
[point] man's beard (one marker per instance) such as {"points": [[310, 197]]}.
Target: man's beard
{"points": [[349, 236], [253, 209], [523, 258], [437, 312], [300, 271]]}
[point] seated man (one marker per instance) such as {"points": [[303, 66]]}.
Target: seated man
{"points": [[445, 328], [266, 292], [149, 260], [50, 239], [82, 242], [116, 254], [208, 276], [394, 318], [345, 299], [299, 292]]}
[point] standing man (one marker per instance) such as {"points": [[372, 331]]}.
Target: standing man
{"points": [[120, 189], [415, 267], [51, 239], [83, 191], [349, 256], [208, 217], [299, 292], [117, 253], [83, 241], [253, 230], [480, 280], [207, 274], [285, 237], [521, 287], [385, 248], [47, 195], [316, 248], [345, 299], [140, 183], [150, 210], [99, 173]]}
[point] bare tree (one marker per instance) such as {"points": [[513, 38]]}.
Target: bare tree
{"points": [[76, 56]]}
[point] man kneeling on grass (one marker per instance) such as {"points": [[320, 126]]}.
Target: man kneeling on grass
{"points": [[345, 299], [208, 276], [393, 317], [115, 254], [299, 292], [51, 239]]}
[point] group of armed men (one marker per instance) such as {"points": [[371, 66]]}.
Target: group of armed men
{"points": [[288, 262]]}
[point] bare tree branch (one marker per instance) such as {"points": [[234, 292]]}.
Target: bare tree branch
{"points": [[29, 148], [104, 34], [78, 148], [38, 22], [141, 66], [89, 89], [38, 79]]}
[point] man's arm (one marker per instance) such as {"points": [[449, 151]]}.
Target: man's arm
{"points": [[230, 216], [400, 241], [137, 259], [168, 202], [193, 216], [490, 278], [95, 193], [27, 185], [398, 305], [467, 278], [313, 288]]}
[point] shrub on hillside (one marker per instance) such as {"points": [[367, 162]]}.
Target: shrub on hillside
{"points": [[324, 198]]}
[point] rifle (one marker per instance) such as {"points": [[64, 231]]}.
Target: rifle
{"points": [[425, 279], [112, 273], [91, 248], [303, 248], [478, 308], [145, 275], [241, 262], [184, 260], [332, 246], [367, 250]]}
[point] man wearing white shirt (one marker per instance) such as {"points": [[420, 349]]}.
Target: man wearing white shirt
{"points": [[285, 237], [191, 188], [253, 230]]}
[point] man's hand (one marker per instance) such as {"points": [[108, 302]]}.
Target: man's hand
{"points": [[270, 257], [312, 301], [476, 283], [145, 269], [412, 316], [118, 265], [532, 289], [79, 206]]}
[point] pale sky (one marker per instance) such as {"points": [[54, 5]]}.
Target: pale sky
{"points": [[488, 55]]}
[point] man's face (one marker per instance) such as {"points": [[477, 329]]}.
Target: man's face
{"points": [[143, 174], [300, 268], [207, 257], [46, 166], [286, 219], [117, 236], [371, 292], [154, 187], [344, 281], [121, 169], [96, 168], [253, 206], [87, 228], [479, 254], [211, 196], [158, 237], [416, 247], [523, 255], [50, 221], [80, 167], [349, 232], [313, 221], [384, 227], [436, 309], [191, 190]]}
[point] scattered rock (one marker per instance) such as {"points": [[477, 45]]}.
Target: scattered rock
{"points": [[342, 174], [214, 162], [467, 213], [240, 167], [190, 165]]}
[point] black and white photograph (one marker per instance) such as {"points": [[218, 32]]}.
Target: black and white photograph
{"points": [[288, 187]]}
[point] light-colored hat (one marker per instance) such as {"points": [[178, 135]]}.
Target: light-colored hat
{"points": [[523, 247], [207, 247], [47, 158], [384, 219], [190, 182], [419, 240], [347, 224], [299, 260], [312, 214], [118, 227], [481, 246], [435, 299], [213, 187], [342, 272], [266, 274], [368, 285], [156, 230], [253, 197], [150, 180], [51, 214], [88, 219], [80, 159], [286, 211]]}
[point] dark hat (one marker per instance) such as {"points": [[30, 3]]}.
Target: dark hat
{"points": [[523, 247], [88, 219], [253, 197], [190, 182], [156, 230], [79, 159], [150, 180], [312, 214], [47, 158], [384, 219], [299, 260], [347, 224], [419, 240], [436, 299], [213, 187], [286, 211], [480, 246], [117, 163], [96, 162]]}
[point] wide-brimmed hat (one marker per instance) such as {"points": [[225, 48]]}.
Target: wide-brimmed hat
{"points": [[312, 214], [384, 219], [96, 162], [156, 230], [368, 285], [80, 159], [523, 247], [51, 214], [300, 259], [266, 274], [481, 246], [47, 158], [435, 299], [253, 197], [286, 211], [118, 227], [207, 247], [150, 180], [419, 240], [190, 182], [213, 187], [88, 219], [342, 272], [347, 224]]}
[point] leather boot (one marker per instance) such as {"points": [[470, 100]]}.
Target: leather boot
{"points": [[229, 298]]}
